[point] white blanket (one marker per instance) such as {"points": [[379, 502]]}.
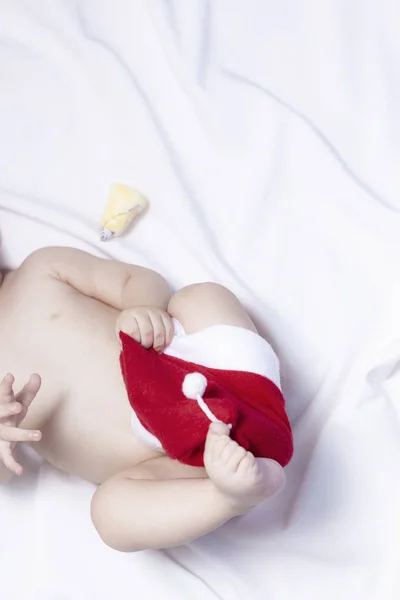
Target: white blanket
{"points": [[266, 136]]}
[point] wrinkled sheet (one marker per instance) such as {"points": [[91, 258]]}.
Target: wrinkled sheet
{"points": [[266, 136]]}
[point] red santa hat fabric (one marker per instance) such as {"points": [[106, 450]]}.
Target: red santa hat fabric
{"points": [[175, 401]]}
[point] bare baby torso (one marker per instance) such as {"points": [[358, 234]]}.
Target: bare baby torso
{"points": [[82, 408]]}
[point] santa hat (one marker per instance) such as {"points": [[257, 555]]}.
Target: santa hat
{"points": [[175, 401]]}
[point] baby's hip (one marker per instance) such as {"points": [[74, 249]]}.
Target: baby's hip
{"points": [[86, 428]]}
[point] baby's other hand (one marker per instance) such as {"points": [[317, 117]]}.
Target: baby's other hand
{"points": [[151, 327], [13, 409]]}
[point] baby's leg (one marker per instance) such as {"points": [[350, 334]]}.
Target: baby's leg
{"points": [[203, 304], [235, 472], [163, 503]]}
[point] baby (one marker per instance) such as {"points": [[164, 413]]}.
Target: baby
{"points": [[59, 313]]}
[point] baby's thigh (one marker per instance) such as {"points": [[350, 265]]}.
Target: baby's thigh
{"points": [[163, 468]]}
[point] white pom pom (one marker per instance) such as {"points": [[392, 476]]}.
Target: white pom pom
{"points": [[194, 385]]}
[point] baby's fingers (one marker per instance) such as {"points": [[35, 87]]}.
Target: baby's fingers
{"points": [[10, 463], [9, 409], [29, 391], [146, 330], [6, 388], [169, 329], [14, 434], [128, 325], [159, 333]]}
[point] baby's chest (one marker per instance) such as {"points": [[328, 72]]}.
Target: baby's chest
{"points": [[64, 336]]}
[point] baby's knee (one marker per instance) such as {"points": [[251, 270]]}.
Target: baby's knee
{"points": [[99, 514], [104, 506], [201, 305], [197, 294]]}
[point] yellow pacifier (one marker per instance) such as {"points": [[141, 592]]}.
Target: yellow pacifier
{"points": [[124, 204]]}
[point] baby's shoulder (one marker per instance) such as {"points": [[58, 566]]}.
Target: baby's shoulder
{"points": [[40, 262], [34, 279]]}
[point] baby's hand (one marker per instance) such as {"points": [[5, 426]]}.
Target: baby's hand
{"points": [[151, 327], [13, 408]]}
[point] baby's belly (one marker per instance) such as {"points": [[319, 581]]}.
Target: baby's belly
{"points": [[82, 409], [88, 432]]}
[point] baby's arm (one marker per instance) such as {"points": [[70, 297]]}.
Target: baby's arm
{"points": [[120, 285], [163, 503]]}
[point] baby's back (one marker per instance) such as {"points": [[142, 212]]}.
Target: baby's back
{"points": [[69, 339]]}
